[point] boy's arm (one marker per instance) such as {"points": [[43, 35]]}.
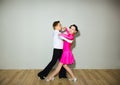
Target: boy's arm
{"points": [[70, 37], [63, 38]]}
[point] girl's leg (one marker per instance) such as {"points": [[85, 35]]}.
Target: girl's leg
{"points": [[56, 71], [69, 70]]}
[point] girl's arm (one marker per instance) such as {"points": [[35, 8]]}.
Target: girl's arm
{"points": [[67, 30]]}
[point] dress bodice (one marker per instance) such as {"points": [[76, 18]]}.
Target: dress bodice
{"points": [[67, 45]]}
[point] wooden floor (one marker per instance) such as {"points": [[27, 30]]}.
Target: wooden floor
{"points": [[85, 77]]}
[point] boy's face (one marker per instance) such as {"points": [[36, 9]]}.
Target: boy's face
{"points": [[59, 26]]}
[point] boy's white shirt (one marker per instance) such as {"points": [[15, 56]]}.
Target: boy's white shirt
{"points": [[58, 40]]}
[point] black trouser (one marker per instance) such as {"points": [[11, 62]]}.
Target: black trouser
{"points": [[57, 53]]}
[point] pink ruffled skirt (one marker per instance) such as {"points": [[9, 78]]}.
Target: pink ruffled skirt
{"points": [[67, 57]]}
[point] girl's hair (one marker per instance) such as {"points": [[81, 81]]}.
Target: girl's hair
{"points": [[76, 28], [55, 23]]}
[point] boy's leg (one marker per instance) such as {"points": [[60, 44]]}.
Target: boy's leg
{"points": [[62, 73], [45, 72]]}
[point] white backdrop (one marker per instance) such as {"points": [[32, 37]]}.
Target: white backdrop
{"points": [[26, 32]]}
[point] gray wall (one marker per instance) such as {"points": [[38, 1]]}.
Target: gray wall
{"points": [[26, 32]]}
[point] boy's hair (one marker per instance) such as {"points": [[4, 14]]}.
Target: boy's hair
{"points": [[76, 28], [55, 23]]}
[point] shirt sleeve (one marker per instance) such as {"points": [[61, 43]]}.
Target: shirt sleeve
{"points": [[70, 37], [63, 38]]}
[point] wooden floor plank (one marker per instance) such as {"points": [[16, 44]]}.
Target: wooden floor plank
{"points": [[85, 77]]}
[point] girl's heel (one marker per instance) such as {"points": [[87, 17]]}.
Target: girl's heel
{"points": [[73, 79]]}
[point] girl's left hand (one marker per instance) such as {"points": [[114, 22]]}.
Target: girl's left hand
{"points": [[64, 28]]}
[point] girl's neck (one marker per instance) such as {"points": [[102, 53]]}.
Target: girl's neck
{"points": [[71, 33]]}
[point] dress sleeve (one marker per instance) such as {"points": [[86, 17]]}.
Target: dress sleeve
{"points": [[67, 30]]}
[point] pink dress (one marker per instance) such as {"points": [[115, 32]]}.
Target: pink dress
{"points": [[67, 56]]}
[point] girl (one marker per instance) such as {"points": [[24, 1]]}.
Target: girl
{"points": [[67, 56]]}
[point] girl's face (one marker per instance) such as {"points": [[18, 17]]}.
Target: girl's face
{"points": [[72, 30]]}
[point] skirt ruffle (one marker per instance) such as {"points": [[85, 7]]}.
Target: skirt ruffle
{"points": [[67, 57]]}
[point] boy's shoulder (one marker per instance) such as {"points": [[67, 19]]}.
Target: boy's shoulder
{"points": [[56, 32]]}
